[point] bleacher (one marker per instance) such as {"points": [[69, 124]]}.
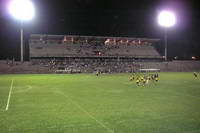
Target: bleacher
{"points": [[89, 46]]}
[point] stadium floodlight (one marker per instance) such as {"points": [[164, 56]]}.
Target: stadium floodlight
{"points": [[166, 19], [22, 10]]}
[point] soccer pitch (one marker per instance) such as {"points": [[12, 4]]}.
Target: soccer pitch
{"points": [[110, 103]]}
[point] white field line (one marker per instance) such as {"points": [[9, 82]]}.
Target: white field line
{"points": [[29, 87], [103, 125], [9, 95]]}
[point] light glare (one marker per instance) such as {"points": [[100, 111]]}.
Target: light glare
{"points": [[22, 9], [166, 19]]}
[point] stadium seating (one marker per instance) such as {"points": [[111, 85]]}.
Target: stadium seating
{"points": [[81, 47], [87, 54], [63, 50]]}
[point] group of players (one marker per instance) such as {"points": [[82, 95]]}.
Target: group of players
{"points": [[143, 79]]}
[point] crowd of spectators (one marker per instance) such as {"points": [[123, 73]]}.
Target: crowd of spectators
{"points": [[116, 66], [89, 65]]}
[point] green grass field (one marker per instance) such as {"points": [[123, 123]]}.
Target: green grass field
{"points": [[85, 103]]}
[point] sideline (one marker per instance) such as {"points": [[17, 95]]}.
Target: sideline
{"points": [[9, 96]]}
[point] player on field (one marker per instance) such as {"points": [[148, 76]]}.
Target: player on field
{"points": [[152, 77], [132, 78], [97, 73], [144, 81], [156, 79], [147, 78], [156, 75], [138, 81], [195, 74]]}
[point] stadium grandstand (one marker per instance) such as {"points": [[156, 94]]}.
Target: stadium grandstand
{"points": [[88, 53], [51, 46]]}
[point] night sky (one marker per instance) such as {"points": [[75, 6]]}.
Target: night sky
{"points": [[120, 18]]}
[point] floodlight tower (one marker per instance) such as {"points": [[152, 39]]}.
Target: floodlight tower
{"points": [[166, 19], [22, 10]]}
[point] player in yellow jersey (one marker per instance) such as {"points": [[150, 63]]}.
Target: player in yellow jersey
{"points": [[138, 81], [131, 78], [144, 81], [156, 79]]}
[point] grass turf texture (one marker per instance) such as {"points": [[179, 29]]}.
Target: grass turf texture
{"points": [[85, 103]]}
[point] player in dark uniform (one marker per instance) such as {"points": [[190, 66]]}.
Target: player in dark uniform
{"points": [[97, 73], [156, 77], [152, 77], [195, 74]]}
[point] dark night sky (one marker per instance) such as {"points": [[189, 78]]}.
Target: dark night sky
{"points": [[132, 18]]}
